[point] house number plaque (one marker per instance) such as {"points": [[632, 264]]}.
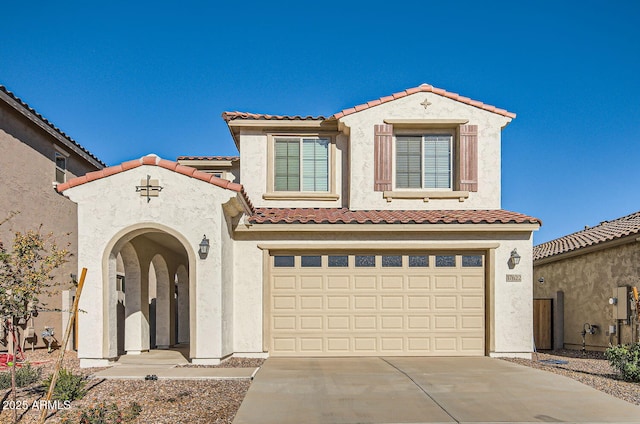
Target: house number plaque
{"points": [[514, 278]]}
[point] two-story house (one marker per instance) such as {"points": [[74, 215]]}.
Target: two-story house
{"points": [[375, 231], [34, 157]]}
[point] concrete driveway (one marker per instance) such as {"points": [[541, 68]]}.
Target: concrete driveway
{"points": [[421, 390]]}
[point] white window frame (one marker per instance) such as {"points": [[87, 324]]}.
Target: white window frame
{"points": [[58, 155], [422, 135], [301, 139]]}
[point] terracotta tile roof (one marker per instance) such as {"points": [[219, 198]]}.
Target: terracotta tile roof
{"points": [[230, 116], [605, 231], [228, 158], [45, 121], [346, 216], [423, 88], [163, 163]]}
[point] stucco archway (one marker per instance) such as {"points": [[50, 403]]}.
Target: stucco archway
{"points": [[144, 268]]}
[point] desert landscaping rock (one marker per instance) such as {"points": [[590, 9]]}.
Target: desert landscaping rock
{"points": [[162, 401], [591, 369]]}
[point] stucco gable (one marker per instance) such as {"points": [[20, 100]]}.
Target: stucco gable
{"points": [[154, 160], [423, 88]]}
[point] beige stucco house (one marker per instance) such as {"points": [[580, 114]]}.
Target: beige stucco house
{"points": [[375, 231], [34, 157], [588, 277]]}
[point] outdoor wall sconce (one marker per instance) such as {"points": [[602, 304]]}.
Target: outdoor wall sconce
{"points": [[514, 259], [203, 250]]}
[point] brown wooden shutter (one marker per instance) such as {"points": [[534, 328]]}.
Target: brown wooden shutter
{"points": [[468, 166], [383, 145]]}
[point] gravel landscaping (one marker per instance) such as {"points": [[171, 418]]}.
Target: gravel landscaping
{"points": [[162, 401], [591, 369]]}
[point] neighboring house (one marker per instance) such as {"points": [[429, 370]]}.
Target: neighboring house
{"points": [[579, 275], [35, 156], [225, 167], [375, 231]]}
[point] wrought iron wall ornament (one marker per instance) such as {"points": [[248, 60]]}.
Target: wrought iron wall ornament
{"points": [[149, 188]]}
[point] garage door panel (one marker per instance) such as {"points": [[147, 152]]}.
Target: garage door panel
{"points": [[311, 323], [338, 323], [284, 302], [392, 322], [338, 302], [418, 282], [311, 282], [391, 282], [381, 310], [338, 282], [367, 322]]}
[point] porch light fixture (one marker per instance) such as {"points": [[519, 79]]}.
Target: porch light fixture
{"points": [[515, 258], [204, 247]]}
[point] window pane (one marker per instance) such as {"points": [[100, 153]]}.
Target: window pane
{"points": [[446, 261], [419, 261], [408, 162], [311, 261], [283, 261], [315, 164], [392, 261], [437, 161], [365, 261], [472, 261], [338, 261], [60, 175], [61, 167], [287, 165]]}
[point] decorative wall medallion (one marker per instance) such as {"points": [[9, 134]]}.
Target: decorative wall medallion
{"points": [[426, 103], [149, 188]]}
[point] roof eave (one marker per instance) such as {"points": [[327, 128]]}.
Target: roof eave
{"points": [[631, 238], [19, 107], [386, 227]]}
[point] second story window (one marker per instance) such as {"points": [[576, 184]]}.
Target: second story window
{"points": [[301, 164], [424, 161], [61, 167]]}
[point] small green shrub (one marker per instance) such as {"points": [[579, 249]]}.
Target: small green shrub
{"points": [[626, 360], [24, 376], [105, 413], [69, 386]]}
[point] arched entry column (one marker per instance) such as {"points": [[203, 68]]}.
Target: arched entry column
{"points": [[182, 286]]}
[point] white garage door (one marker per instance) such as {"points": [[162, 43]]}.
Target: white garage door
{"points": [[376, 304]]}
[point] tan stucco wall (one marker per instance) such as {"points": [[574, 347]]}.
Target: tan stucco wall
{"points": [[510, 315], [587, 282], [110, 210], [354, 162], [27, 170], [361, 126], [255, 168]]}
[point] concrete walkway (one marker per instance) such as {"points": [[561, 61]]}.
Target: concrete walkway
{"points": [[421, 390], [166, 364]]}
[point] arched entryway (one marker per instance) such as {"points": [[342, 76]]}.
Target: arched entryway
{"points": [[148, 290]]}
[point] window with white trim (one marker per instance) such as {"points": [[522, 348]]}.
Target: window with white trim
{"points": [[424, 161], [61, 167], [301, 164]]}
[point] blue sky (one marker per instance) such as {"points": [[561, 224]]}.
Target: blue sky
{"points": [[129, 78]]}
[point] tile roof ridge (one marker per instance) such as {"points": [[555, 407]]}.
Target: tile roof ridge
{"points": [[154, 160], [209, 157], [230, 116], [48, 123], [423, 88]]}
